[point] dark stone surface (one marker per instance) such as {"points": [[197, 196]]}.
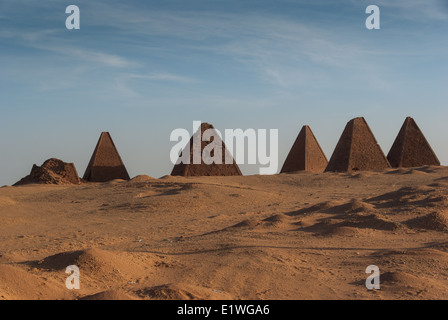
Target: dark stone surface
{"points": [[106, 163], [357, 150], [410, 148], [305, 154]]}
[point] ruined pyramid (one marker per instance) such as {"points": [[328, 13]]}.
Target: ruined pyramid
{"points": [[305, 154], [357, 150], [411, 149], [106, 163], [52, 171], [203, 169]]}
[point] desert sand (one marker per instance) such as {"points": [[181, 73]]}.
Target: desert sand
{"points": [[287, 236]]}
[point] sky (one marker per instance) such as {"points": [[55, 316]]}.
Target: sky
{"points": [[140, 69]]}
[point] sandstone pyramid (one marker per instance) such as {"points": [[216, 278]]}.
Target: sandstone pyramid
{"points": [[357, 150], [52, 171], [106, 163], [411, 149], [305, 154], [203, 169]]}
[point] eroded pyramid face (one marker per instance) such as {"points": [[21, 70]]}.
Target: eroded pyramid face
{"points": [[411, 149], [200, 161], [357, 150], [106, 163]]}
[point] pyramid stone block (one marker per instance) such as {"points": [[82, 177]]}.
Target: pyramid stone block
{"points": [[357, 150], [203, 169], [106, 163], [411, 149], [305, 154]]}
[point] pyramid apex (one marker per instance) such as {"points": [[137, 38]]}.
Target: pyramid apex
{"points": [[206, 124], [408, 120]]}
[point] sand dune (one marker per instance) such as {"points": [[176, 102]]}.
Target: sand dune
{"points": [[433, 221], [287, 236], [109, 295]]}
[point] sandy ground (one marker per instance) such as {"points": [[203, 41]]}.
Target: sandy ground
{"points": [[287, 236]]}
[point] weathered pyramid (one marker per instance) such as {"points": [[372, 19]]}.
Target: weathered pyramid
{"points": [[53, 171], [305, 154], [106, 163], [411, 149], [203, 169], [357, 150]]}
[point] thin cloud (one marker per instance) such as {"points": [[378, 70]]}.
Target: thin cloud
{"points": [[416, 10], [51, 40], [160, 77], [106, 59]]}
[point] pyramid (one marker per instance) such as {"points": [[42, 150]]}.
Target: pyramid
{"points": [[106, 163], [203, 169], [411, 149], [52, 171], [305, 154], [357, 150]]}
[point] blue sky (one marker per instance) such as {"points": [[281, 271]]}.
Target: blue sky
{"points": [[140, 69]]}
